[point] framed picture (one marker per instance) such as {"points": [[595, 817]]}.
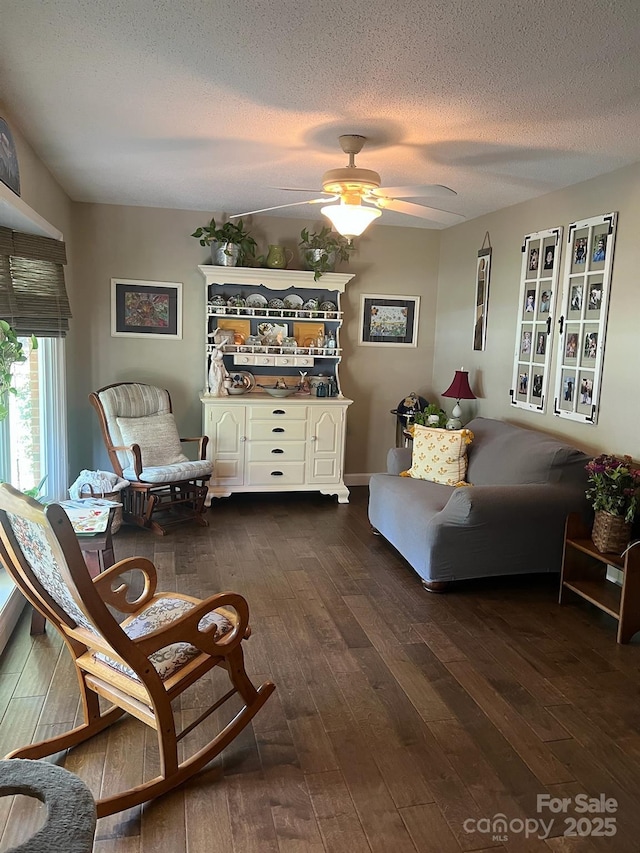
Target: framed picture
{"points": [[483, 271], [146, 309], [585, 299], [390, 321], [9, 172], [539, 277]]}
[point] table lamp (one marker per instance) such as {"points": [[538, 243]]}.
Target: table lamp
{"points": [[460, 390]]}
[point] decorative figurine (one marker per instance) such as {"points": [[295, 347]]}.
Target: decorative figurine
{"points": [[303, 385], [218, 373]]}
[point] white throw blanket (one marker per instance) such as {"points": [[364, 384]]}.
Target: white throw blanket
{"points": [[96, 483]]}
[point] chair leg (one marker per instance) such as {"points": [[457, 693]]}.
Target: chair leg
{"points": [[234, 664], [162, 784]]}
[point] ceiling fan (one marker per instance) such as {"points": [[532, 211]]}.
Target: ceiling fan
{"points": [[360, 198]]}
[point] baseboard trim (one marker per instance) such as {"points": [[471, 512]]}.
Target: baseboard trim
{"points": [[357, 479]]}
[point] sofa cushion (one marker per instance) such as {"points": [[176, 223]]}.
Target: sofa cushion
{"points": [[439, 455], [157, 436], [504, 454]]}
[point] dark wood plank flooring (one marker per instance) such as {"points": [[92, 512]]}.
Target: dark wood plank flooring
{"points": [[401, 721]]}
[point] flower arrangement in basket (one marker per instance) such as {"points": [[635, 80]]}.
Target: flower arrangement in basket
{"points": [[614, 491]]}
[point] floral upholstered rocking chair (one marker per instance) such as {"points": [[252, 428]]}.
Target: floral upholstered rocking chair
{"points": [[164, 644]]}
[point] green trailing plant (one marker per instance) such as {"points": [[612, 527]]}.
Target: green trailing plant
{"points": [[36, 490], [11, 352], [432, 409], [228, 232], [334, 247]]}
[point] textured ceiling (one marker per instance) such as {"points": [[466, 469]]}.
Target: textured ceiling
{"points": [[208, 105]]}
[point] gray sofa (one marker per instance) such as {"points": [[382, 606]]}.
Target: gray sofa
{"points": [[511, 521]]}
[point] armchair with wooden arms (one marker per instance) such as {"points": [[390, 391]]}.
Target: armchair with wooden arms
{"points": [[165, 643], [144, 447]]}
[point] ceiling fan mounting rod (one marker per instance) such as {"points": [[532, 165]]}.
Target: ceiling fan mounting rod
{"points": [[352, 144]]}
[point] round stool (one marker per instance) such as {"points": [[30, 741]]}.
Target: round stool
{"points": [[71, 810]]}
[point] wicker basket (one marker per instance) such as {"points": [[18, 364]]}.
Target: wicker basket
{"points": [[611, 533], [87, 491]]}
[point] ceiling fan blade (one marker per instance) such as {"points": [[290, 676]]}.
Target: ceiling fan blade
{"points": [[279, 206], [299, 190], [415, 191], [445, 217]]}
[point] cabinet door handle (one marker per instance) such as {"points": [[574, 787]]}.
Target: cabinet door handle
{"points": [[278, 412], [277, 450], [277, 474], [313, 438], [278, 429], [243, 438]]}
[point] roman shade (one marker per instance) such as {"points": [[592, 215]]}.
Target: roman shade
{"points": [[33, 297]]}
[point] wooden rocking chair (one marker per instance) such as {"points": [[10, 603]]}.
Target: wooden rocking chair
{"points": [[142, 440], [165, 644]]}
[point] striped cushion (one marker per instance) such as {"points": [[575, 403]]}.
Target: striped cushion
{"points": [[171, 473]]}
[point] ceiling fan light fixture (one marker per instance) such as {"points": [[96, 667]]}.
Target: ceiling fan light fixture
{"points": [[350, 220]]}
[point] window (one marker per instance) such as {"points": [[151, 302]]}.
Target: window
{"points": [[33, 437], [33, 442]]}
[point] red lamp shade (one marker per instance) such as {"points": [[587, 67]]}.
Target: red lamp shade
{"points": [[459, 388]]}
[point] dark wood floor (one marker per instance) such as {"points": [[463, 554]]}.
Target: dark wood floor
{"points": [[400, 718]]}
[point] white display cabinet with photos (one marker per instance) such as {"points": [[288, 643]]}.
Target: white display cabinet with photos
{"points": [[534, 326], [583, 320]]}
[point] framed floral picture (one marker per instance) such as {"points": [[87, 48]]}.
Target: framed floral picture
{"points": [[146, 309], [390, 321]]}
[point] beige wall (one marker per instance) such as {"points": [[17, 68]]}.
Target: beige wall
{"points": [[37, 186], [490, 372], [154, 244], [106, 241]]}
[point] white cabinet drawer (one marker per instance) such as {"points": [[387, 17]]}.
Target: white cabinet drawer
{"points": [[278, 411], [284, 360], [272, 430], [277, 474], [303, 361], [265, 360], [275, 452], [244, 358]]}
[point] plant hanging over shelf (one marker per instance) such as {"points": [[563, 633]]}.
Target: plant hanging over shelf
{"points": [[321, 250], [229, 232]]}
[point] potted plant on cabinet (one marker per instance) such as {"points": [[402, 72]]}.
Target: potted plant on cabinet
{"points": [[322, 249], [614, 491], [231, 244]]}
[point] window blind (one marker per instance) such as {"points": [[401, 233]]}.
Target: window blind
{"points": [[33, 296]]}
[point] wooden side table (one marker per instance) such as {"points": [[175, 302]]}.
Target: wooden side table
{"points": [[584, 570], [98, 555]]}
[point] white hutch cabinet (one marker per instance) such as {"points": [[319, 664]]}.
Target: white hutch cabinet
{"points": [[260, 443]]}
